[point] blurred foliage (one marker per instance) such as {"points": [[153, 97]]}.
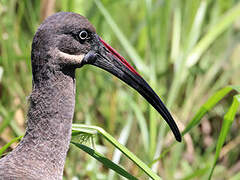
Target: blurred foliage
{"points": [[186, 50]]}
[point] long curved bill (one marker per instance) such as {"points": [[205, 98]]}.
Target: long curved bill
{"points": [[105, 57]]}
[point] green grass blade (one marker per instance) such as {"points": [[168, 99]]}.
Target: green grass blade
{"points": [[197, 173], [211, 102], [8, 120], [224, 23], [142, 124], [7, 117], [227, 122], [163, 154], [123, 138], [176, 34], [236, 88], [106, 162], [180, 62], [15, 128], [4, 148], [123, 39], [122, 148]]}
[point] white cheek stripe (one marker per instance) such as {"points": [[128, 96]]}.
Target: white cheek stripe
{"points": [[70, 57]]}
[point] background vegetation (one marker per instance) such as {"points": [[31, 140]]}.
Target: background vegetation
{"points": [[187, 50]]}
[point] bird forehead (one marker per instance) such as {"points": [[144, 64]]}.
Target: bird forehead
{"points": [[67, 22]]}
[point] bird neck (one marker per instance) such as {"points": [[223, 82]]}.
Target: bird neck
{"points": [[50, 115]]}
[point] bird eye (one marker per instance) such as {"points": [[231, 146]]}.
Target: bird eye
{"points": [[83, 35]]}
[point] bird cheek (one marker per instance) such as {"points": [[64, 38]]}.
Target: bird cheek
{"points": [[70, 58], [65, 59]]}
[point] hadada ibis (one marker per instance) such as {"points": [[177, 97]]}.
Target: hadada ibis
{"points": [[64, 42]]}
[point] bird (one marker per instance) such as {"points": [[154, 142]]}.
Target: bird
{"points": [[64, 42]]}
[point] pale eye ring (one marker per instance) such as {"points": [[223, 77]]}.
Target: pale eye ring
{"points": [[83, 35]]}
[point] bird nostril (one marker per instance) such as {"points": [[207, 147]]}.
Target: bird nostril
{"points": [[89, 58], [106, 50]]}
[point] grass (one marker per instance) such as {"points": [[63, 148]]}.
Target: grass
{"points": [[188, 51]]}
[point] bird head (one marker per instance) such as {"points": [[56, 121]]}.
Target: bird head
{"points": [[68, 41]]}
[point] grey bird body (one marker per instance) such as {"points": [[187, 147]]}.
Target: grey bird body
{"points": [[64, 41]]}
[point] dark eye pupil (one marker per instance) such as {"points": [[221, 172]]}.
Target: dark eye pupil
{"points": [[83, 35]]}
